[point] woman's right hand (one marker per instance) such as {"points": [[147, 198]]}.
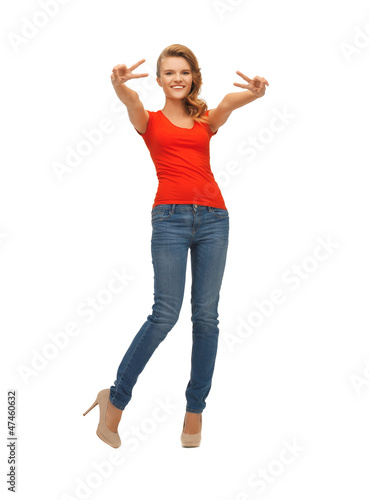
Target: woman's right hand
{"points": [[122, 74]]}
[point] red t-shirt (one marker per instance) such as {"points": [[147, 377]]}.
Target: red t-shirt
{"points": [[182, 160]]}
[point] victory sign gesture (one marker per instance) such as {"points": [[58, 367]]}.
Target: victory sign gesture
{"points": [[255, 85], [122, 74]]}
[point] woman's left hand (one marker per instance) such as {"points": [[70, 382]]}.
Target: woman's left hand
{"points": [[255, 85]]}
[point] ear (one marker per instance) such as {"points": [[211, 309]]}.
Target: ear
{"points": [[159, 82]]}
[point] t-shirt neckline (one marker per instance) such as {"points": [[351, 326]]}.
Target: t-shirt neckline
{"points": [[182, 128]]}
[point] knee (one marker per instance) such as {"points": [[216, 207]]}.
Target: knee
{"points": [[205, 314], [164, 318], [166, 310]]}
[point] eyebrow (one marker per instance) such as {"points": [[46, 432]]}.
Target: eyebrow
{"points": [[173, 69]]}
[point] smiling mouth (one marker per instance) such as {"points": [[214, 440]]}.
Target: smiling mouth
{"points": [[178, 87]]}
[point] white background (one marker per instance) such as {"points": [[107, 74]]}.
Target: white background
{"points": [[302, 375]]}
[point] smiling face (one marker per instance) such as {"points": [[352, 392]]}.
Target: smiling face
{"points": [[175, 77]]}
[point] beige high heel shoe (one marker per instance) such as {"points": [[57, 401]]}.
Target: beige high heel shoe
{"points": [[191, 440], [104, 433]]}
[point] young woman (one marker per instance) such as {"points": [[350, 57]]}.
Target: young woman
{"points": [[188, 213]]}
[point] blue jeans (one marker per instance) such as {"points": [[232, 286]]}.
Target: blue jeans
{"points": [[175, 228]]}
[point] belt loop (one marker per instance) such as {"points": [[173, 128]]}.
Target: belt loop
{"points": [[173, 207]]}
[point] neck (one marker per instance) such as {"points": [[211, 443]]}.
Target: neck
{"points": [[174, 107]]}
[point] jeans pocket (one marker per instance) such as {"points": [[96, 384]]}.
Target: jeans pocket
{"points": [[160, 214], [219, 213]]}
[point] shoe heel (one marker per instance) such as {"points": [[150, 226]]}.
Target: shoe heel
{"points": [[93, 406]]}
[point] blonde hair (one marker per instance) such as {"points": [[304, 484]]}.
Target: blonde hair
{"points": [[194, 106]]}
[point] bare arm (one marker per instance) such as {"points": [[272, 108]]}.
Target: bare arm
{"points": [[256, 88], [138, 116]]}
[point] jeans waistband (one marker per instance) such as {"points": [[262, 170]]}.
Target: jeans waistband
{"points": [[182, 206]]}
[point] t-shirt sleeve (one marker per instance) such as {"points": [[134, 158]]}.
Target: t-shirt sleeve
{"points": [[148, 124]]}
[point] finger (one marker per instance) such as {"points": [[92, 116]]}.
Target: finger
{"points": [[139, 75], [261, 79], [244, 76], [258, 79], [116, 73], [134, 66], [119, 66], [241, 85]]}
